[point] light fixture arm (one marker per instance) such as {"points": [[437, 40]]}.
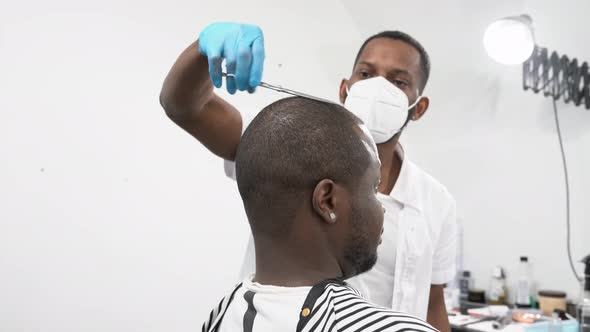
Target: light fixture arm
{"points": [[557, 77]]}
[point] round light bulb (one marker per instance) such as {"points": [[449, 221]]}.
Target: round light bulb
{"points": [[510, 40]]}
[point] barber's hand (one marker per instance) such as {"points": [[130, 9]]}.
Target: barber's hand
{"points": [[242, 47]]}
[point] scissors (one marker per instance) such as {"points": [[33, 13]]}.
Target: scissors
{"points": [[287, 91]]}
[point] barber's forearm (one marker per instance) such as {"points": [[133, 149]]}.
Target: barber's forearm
{"points": [[437, 312], [187, 88]]}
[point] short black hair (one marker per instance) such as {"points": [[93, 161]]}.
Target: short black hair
{"points": [[286, 150], [398, 35]]}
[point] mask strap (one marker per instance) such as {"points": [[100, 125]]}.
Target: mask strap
{"points": [[415, 103], [411, 110]]}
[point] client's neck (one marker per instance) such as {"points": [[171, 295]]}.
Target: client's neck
{"points": [[293, 262]]}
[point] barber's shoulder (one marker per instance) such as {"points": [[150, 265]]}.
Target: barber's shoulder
{"points": [[432, 189]]}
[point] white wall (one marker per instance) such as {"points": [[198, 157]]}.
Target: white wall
{"points": [[496, 148], [112, 219]]}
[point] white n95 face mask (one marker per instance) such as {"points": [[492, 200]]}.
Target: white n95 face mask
{"points": [[381, 105]]}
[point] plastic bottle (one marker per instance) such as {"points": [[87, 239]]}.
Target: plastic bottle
{"points": [[523, 285], [465, 283], [497, 291]]}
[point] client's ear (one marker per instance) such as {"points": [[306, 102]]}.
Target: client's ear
{"points": [[324, 200]]}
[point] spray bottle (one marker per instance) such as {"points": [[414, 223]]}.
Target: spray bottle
{"points": [[584, 305]]}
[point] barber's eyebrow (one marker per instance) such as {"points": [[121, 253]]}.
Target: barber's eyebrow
{"points": [[400, 71], [365, 63], [391, 72]]}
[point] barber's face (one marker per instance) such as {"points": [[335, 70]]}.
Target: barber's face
{"points": [[366, 218], [395, 60]]}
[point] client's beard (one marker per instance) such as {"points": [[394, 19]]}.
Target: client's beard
{"points": [[358, 253]]}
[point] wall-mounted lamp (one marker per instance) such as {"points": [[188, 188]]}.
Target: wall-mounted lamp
{"points": [[511, 40]]}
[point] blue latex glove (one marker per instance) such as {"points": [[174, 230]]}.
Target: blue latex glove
{"points": [[242, 47]]}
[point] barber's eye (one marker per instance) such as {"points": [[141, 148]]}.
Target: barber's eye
{"points": [[400, 83], [364, 74]]}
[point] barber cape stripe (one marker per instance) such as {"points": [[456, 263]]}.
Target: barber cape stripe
{"points": [[334, 306]]}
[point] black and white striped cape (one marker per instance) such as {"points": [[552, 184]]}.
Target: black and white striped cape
{"points": [[334, 306]]}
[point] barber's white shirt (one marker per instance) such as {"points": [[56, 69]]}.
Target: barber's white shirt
{"points": [[418, 248]]}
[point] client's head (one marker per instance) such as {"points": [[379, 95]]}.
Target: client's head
{"points": [[308, 174]]}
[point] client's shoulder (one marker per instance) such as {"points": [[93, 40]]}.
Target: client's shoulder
{"points": [[219, 310], [337, 306]]}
